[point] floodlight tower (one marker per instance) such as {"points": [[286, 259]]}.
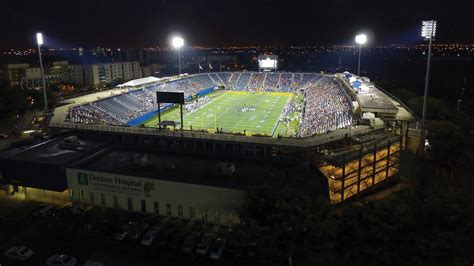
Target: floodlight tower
{"points": [[39, 41], [428, 32], [178, 42], [360, 39]]}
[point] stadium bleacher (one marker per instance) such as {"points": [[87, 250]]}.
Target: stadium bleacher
{"points": [[327, 104]]}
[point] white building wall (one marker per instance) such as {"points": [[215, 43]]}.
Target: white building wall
{"points": [[127, 71], [91, 73], [220, 205], [136, 69], [76, 74]]}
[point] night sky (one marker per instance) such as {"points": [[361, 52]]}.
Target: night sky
{"points": [[141, 23]]}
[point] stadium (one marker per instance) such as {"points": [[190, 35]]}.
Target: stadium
{"points": [[268, 104], [338, 136]]}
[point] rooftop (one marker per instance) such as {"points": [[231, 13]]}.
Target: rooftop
{"points": [[372, 98], [203, 171], [51, 152], [139, 82]]}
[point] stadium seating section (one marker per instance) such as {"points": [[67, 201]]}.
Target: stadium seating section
{"points": [[327, 104]]}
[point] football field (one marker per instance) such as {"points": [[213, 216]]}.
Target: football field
{"points": [[233, 111]]}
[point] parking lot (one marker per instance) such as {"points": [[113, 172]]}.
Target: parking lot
{"points": [[90, 235]]}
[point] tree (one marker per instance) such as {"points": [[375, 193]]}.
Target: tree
{"points": [[12, 101], [285, 222], [404, 94], [435, 108]]}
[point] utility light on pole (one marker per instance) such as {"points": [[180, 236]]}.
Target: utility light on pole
{"points": [[360, 39], [40, 42], [428, 32], [178, 42]]}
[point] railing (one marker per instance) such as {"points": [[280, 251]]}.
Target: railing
{"points": [[193, 134]]}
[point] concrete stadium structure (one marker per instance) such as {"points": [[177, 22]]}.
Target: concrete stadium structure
{"points": [[205, 175]]}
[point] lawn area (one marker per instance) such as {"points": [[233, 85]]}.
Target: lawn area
{"points": [[234, 111]]}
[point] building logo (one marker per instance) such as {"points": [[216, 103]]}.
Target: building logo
{"points": [[148, 187], [82, 179]]}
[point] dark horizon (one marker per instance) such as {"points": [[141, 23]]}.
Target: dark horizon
{"points": [[141, 24]]}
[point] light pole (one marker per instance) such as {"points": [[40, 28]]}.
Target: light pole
{"points": [[39, 41], [459, 105], [360, 39], [177, 43], [428, 32]]}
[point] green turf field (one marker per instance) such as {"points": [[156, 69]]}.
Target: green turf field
{"points": [[225, 111]]}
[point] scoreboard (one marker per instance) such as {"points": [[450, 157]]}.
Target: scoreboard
{"points": [[267, 62]]}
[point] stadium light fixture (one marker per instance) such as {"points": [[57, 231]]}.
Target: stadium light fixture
{"points": [[178, 42], [39, 38], [40, 42], [360, 39], [428, 32], [428, 29]]}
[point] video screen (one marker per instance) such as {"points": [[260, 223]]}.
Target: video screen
{"points": [[268, 63]]}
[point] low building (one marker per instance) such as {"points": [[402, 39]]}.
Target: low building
{"points": [[96, 172], [13, 73], [107, 73]]}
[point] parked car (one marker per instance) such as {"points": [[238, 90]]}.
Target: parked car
{"points": [[125, 230], [177, 239], [93, 263], [165, 235], [47, 210], [61, 260], [19, 253], [88, 209], [150, 235], [138, 231], [205, 244], [252, 249], [76, 209], [190, 242], [217, 249]]}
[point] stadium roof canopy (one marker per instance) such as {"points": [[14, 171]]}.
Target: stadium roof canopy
{"points": [[139, 82]]}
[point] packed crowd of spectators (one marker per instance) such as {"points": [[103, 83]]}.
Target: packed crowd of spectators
{"points": [[271, 82], [291, 108], [256, 81], [327, 108]]}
